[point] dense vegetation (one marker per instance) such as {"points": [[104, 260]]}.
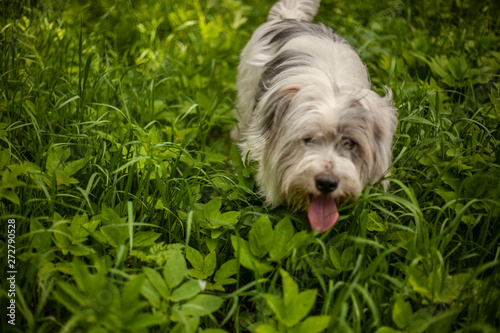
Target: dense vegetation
{"points": [[134, 212]]}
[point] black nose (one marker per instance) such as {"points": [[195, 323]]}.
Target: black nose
{"points": [[326, 183]]}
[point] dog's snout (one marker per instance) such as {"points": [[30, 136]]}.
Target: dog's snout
{"points": [[326, 183]]}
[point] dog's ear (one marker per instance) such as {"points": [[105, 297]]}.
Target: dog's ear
{"points": [[383, 129], [275, 107]]}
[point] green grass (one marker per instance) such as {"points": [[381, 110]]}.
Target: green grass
{"points": [[134, 211]]}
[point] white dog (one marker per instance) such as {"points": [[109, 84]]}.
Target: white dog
{"points": [[307, 115]]}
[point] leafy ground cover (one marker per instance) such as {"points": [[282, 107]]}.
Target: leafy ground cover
{"points": [[134, 212]]}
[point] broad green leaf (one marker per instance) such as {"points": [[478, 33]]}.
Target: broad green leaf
{"points": [[246, 258], [94, 285], [226, 270], [230, 217], [197, 274], [109, 216], [335, 257], [70, 296], [211, 244], [130, 295], [401, 312], [348, 258], [445, 194], [195, 258], [56, 157], [144, 320], [236, 159], [97, 234], [81, 250], [57, 167], [61, 233], [91, 225], [115, 235], [375, 222], [314, 324], [47, 269], [175, 269], [4, 158], [261, 267], [40, 238], [145, 238], [241, 250], [435, 281], [82, 276], [181, 327], [158, 282], [154, 135], [226, 219], [64, 178], [283, 233], [222, 183], [301, 239], [65, 267], [261, 237], [10, 195], [420, 320], [245, 178], [290, 287], [266, 328], [294, 305], [212, 208], [151, 294], [215, 233], [186, 290], [420, 283], [226, 281], [201, 305], [299, 306], [9, 177], [77, 228], [210, 263], [275, 302], [74, 166], [455, 286]]}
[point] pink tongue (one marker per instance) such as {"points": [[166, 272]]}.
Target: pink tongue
{"points": [[323, 213]]}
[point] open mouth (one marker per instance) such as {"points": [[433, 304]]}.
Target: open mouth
{"points": [[322, 212]]}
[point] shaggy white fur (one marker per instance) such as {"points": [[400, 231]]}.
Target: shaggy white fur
{"points": [[307, 115]]}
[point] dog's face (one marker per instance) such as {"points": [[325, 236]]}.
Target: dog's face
{"points": [[323, 148]]}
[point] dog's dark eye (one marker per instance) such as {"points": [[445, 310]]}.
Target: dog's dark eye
{"points": [[308, 140], [350, 144]]}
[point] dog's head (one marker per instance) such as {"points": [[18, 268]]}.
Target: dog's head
{"points": [[323, 144]]}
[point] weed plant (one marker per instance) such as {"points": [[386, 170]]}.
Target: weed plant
{"points": [[134, 211]]}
